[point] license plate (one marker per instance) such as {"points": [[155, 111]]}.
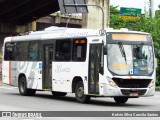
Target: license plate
{"points": [[133, 94]]}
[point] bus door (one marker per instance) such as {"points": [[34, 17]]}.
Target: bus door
{"points": [[47, 66], [94, 67]]}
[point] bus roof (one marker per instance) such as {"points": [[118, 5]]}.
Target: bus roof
{"points": [[62, 32]]}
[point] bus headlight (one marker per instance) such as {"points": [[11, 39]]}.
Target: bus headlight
{"points": [[151, 84], [111, 82]]}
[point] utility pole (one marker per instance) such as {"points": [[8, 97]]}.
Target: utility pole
{"points": [[151, 8]]}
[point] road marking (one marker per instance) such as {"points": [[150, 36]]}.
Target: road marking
{"points": [[8, 87]]}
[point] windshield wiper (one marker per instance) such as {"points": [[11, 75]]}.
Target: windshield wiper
{"points": [[122, 51]]}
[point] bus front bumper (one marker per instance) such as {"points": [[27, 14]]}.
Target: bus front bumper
{"points": [[110, 91]]}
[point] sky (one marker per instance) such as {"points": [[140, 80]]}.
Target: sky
{"points": [[135, 4]]}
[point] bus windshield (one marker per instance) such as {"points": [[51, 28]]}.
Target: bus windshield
{"points": [[130, 59]]}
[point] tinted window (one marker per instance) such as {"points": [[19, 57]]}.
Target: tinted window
{"points": [[10, 51], [63, 50], [22, 51], [33, 51]]}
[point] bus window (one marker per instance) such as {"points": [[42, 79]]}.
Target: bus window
{"points": [[22, 51], [33, 51], [63, 50], [10, 51], [79, 50]]}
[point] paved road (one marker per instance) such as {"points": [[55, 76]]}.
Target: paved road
{"points": [[10, 100]]}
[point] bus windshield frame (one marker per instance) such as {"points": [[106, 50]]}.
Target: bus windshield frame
{"points": [[128, 57]]}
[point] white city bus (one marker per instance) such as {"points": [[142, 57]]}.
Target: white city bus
{"points": [[120, 64]]}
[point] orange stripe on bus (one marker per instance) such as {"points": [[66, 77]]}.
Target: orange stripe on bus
{"points": [[10, 66], [10, 72]]}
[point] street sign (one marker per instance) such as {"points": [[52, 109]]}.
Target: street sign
{"points": [[129, 17], [72, 6], [130, 11]]}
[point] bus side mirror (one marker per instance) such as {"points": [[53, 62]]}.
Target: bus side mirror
{"points": [[104, 50], [156, 52]]}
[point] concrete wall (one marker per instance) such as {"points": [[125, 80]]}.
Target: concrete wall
{"points": [[93, 19]]}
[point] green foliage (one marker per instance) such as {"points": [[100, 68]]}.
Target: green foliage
{"points": [[149, 25]]}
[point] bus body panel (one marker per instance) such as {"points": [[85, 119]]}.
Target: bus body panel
{"points": [[6, 72], [31, 72], [64, 72]]}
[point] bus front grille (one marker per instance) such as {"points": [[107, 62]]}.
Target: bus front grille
{"points": [[132, 83], [127, 92]]}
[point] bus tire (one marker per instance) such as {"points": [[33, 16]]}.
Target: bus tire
{"points": [[121, 100], [79, 93], [23, 90], [59, 93]]}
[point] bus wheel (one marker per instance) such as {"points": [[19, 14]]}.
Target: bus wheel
{"points": [[59, 93], [22, 85], [79, 93], [121, 99]]}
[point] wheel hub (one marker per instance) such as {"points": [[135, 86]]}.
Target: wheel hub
{"points": [[80, 92]]}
